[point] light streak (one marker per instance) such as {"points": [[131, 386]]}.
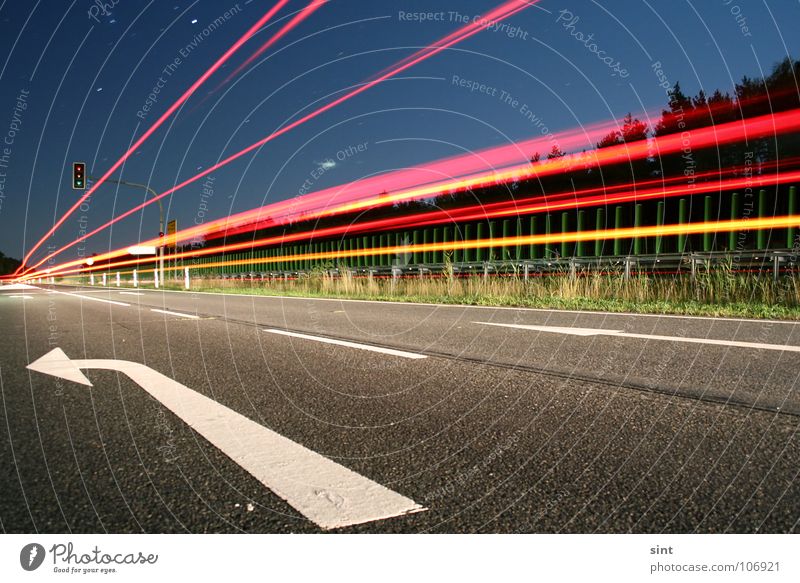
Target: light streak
{"points": [[504, 11], [561, 201], [748, 224], [182, 99], [285, 29]]}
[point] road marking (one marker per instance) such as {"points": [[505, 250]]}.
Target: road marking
{"points": [[23, 297], [621, 334], [390, 351], [167, 312], [90, 298], [130, 293], [506, 308], [329, 494], [14, 286]]}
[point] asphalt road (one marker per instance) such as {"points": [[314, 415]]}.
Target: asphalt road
{"points": [[498, 428]]}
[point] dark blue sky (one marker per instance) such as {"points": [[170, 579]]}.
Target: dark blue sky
{"points": [[84, 81]]}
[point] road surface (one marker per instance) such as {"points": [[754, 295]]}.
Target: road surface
{"points": [[226, 413]]}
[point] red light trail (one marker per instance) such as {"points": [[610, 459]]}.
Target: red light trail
{"points": [[506, 10], [699, 138], [182, 99], [285, 29], [563, 201], [747, 224]]}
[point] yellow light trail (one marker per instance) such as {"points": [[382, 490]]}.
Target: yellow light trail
{"points": [[748, 224]]}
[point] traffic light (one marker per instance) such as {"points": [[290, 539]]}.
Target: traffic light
{"points": [[78, 175]]}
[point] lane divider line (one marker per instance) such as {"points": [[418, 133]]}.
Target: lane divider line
{"points": [[621, 334], [369, 347], [91, 299], [168, 313]]}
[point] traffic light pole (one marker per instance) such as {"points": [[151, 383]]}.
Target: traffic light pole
{"points": [[154, 194]]}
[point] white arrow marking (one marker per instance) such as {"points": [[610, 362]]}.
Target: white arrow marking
{"points": [[57, 364], [621, 334], [323, 491]]}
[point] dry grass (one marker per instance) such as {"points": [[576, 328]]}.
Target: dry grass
{"points": [[720, 292]]}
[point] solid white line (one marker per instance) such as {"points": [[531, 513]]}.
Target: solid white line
{"points": [[369, 347], [191, 316], [329, 494], [130, 293], [512, 308], [91, 298], [621, 334]]}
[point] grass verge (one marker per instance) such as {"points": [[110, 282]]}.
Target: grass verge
{"points": [[719, 293]]}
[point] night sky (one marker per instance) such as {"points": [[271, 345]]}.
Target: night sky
{"points": [[83, 75]]}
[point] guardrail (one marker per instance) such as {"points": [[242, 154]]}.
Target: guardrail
{"points": [[776, 262]]}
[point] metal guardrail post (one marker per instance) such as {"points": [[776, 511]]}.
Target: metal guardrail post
{"points": [[637, 222], [599, 224], [548, 230], [660, 210], [792, 210], [733, 236], [761, 235], [491, 254], [504, 253], [469, 254], [682, 219]]}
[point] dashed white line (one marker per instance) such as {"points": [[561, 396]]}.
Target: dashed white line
{"points": [[369, 347], [167, 312], [470, 306], [90, 298], [621, 334], [130, 293]]}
